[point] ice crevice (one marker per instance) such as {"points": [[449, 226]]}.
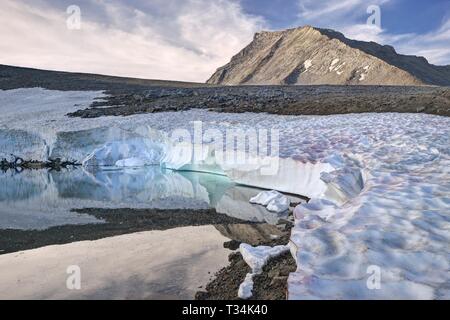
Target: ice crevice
{"points": [[114, 147], [379, 183]]}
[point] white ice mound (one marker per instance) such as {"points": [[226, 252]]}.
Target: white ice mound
{"points": [[256, 258], [273, 200], [235, 203], [279, 205], [246, 288], [265, 197]]}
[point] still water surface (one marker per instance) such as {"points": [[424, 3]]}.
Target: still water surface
{"points": [[123, 247]]}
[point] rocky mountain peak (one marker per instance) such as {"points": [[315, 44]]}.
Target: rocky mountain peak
{"points": [[309, 55]]}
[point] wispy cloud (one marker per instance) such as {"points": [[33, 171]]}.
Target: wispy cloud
{"points": [[433, 45], [170, 39], [349, 16], [334, 13], [312, 10]]}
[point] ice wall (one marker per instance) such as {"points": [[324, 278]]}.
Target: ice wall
{"points": [[34, 126]]}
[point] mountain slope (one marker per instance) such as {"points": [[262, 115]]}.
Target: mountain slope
{"points": [[13, 77], [320, 56]]}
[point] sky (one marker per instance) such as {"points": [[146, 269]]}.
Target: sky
{"points": [[189, 39]]}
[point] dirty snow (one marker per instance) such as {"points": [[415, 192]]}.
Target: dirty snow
{"points": [[379, 183], [256, 258]]}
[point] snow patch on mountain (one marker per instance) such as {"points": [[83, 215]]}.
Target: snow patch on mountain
{"points": [[307, 64], [333, 63]]}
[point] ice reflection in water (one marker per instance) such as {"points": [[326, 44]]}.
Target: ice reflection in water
{"points": [[40, 199], [153, 264]]}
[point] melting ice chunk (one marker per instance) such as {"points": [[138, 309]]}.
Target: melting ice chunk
{"points": [[265, 197], [273, 200], [279, 204], [307, 64], [246, 287], [256, 258]]}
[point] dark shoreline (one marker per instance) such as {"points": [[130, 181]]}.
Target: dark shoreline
{"points": [[19, 164], [270, 285], [115, 222], [282, 100], [127, 96]]}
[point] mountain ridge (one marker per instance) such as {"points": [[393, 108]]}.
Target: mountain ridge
{"points": [[309, 55]]}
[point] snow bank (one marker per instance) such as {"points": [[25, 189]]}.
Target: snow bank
{"points": [[256, 258], [379, 183]]}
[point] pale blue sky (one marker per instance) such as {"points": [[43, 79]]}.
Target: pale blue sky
{"points": [[399, 16]]}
